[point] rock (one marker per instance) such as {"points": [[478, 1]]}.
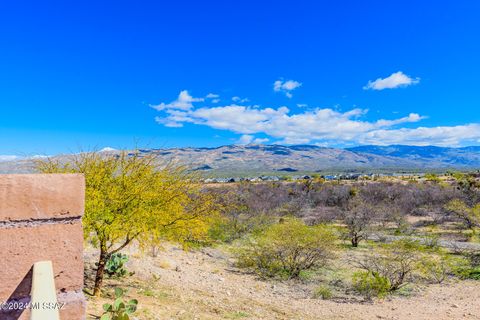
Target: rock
{"points": [[179, 313]]}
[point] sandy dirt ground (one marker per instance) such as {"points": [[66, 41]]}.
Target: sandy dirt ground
{"points": [[204, 285]]}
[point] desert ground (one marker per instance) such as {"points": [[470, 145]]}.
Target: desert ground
{"points": [[204, 284]]}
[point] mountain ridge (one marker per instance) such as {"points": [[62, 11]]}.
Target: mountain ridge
{"points": [[281, 159]]}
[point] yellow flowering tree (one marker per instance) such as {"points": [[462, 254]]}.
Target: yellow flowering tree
{"points": [[129, 196]]}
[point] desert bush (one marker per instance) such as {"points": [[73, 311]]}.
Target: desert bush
{"points": [[435, 266], [119, 309], [470, 273], [397, 262], [432, 177], [331, 195], [322, 292], [431, 241], [471, 268], [405, 261], [227, 229], [370, 284], [320, 214], [286, 249], [474, 258], [470, 216]]}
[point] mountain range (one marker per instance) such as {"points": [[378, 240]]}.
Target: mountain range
{"points": [[241, 160]]}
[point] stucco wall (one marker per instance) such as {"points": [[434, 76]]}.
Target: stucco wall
{"points": [[40, 219]]}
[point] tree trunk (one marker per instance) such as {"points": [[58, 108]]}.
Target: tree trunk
{"points": [[355, 240], [102, 260], [154, 251]]}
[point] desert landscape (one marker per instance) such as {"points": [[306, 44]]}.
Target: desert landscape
{"points": [[209, 160], [204, 284]]}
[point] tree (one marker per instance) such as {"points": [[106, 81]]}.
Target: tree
{"points": [[358, 218], [129, 196], [470, 216]]}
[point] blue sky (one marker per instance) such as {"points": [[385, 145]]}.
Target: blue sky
{"points": [[337, 73]]}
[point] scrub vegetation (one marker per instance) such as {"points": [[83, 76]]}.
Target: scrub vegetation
{"points": [[340, 240]]}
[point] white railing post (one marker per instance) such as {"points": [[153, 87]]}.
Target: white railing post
{"points": [[44, 304]]}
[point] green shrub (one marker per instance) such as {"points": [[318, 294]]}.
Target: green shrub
{"points": [[119, 310], [323, 292], [397, 262], [115, 265], [228, 229], [470, 269], [431, 241], [286, 249], [436, 266], [371, 284], [469, 273], [473, 273]]}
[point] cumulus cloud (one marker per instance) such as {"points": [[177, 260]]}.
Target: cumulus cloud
{"points": [[286, 86], [183, 102], [395, 80], [422, 136], [321, 126]]}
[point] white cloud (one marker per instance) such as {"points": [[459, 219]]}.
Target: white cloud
{"points": [[4, 158], [212, 96], [245, 139], [168, 122], [240, 100], [108, 149], [183, 102], [215, 100], [248, 139], [321, 126], [39, 156], [423, 136], [261, 140], [395, 80], [412, 117], [286, 86], [7, 157]]}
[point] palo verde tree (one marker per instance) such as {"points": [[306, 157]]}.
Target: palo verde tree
{"points": [[129, 196]]}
